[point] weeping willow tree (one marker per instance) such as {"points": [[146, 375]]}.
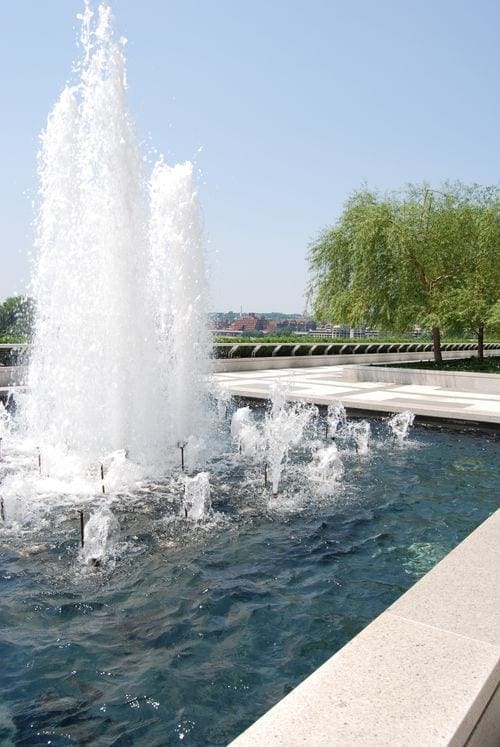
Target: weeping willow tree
{"points": [[473, 303], [399, 260]]}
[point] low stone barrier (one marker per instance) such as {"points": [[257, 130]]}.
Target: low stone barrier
{"points": [[309, 361], [268, 350], [463, 381]]}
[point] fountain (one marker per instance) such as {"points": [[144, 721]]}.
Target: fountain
{"points": [[189, 588], [270, 442], [120, 355], [283, 428]]}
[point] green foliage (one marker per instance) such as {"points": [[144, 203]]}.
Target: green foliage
{"points": [[246, 333], [422, 257], [17, 314], [473, 303]]}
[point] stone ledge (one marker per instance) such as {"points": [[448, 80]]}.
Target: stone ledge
{"points": [[465, 381], [425, 672]]}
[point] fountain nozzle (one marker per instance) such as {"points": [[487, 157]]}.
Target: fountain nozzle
{"points": [[182, 445], [82, 529]]}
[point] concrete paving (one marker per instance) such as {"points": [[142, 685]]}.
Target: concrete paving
{"points": [[327, 384]]}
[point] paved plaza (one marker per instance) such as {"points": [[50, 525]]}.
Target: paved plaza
{"points": [[326, 384]]}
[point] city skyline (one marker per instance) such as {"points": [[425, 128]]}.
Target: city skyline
{"points": [[285, 110]]}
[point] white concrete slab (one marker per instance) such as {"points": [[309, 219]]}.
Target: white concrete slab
{"points": [[491, 407], [436, 391], [327, 384], [374, 396]]}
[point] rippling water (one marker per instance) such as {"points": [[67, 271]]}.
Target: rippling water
{"points": [[193, 631]]}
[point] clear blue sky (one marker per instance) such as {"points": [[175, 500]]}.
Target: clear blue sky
{"points": [[295, 102]]}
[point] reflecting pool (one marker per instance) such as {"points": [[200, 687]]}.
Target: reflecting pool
{"points": [[190, 630]]}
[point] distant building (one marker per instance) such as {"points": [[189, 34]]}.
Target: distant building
{"points": [[252, 322], [297, 324], [338, 330], [248, 323]]}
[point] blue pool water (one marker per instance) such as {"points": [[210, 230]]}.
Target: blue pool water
{"points": [[195, 631]]}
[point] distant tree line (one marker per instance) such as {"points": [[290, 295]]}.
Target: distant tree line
{"points": [[419, 257], [17, 315]]}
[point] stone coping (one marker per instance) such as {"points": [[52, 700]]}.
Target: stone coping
{"points": [[424, 673]]}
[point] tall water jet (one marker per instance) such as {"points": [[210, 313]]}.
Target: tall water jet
{"points": [[94, 330], [121, 345], [180, 289]]}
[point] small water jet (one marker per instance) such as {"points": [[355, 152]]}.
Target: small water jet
{"points": [[247, 434], [325, 469], [400, 425], [283, 428], [196, 503], [270, 442], [361, 434], [336, 419], [101, 534], [222, 402]]}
